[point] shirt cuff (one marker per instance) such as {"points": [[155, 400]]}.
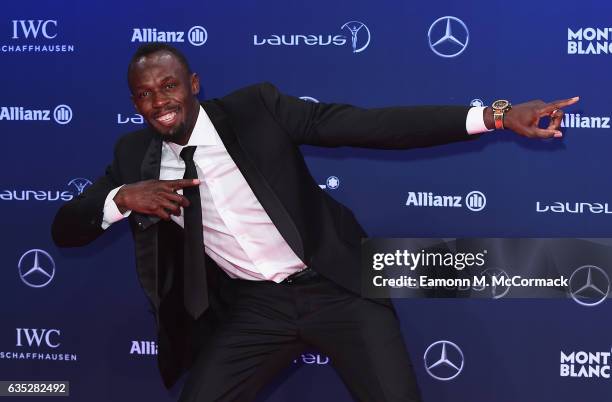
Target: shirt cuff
{"points": [[474, 123], [111, 212]]}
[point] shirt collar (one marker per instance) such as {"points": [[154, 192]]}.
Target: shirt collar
{"points": [[203, 134]]}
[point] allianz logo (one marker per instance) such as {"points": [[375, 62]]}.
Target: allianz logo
{"points": [[197, 35], [62, 114], [474, 200], [575, 120], [573, 207], [143, 348]]}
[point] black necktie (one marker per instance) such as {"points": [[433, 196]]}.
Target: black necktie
{"points": [[195, 292]]}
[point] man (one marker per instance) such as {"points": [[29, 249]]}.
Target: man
{"points": [[267, 263]]}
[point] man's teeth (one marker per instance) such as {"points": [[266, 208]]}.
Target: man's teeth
{"points": [[167, 117]]}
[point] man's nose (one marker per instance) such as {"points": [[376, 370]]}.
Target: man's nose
{"points": [[159, 99]]}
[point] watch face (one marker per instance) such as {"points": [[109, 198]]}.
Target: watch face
{"points": [[500, 104]]}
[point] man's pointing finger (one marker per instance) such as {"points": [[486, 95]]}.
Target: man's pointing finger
{"points": [[558, 104], [182, 183]]}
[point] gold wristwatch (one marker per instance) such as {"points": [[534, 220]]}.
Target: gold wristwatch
{"points": [[500, 107]]}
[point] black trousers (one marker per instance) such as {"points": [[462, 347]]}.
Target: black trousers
{"points": [[269, 324]]}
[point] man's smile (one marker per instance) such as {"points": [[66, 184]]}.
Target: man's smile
{"points": [[167, 118]]}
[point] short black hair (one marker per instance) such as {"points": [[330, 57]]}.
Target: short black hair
{"points": [[154, 47]]}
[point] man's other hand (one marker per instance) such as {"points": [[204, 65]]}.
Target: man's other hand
{"points": [[154, 197], [524, 118]]}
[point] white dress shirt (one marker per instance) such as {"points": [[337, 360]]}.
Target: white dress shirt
{"points": [[238, 233]]}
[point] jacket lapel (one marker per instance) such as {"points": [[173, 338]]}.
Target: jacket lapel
{"points": [[146, 233], [260, 187], [149, 169]]}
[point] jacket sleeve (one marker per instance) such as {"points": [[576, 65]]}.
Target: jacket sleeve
{"points": [[333, 125], [79, 221]]}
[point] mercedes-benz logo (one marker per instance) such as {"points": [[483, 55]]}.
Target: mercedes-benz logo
{"points": [[309, 99], [497, 292], [589, 285], [36, 268], [354, 28], [443, 360], [448, 36]]}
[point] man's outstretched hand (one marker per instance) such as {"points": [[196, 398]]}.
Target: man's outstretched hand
{"points": [[154, 197], [523, 118]]}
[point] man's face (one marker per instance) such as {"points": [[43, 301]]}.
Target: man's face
{"points": [[164, 93]]}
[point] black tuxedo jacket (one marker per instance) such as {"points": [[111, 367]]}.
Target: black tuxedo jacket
{"points": [[262, 130]]}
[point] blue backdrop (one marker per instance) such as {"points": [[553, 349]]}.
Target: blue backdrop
{"points": [[79, 315]]}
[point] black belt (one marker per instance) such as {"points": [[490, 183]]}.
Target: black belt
{"points": [[301, 276]]}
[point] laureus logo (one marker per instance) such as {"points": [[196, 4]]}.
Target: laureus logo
{"points": [[79, 184], [354, 33], [359, 42]]}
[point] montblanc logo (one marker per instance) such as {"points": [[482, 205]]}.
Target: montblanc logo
{"points": [[148, 348], [61, 114], [75, 186], [589, 41], [354, 33], [196, 35], [38, 344], [332, 183], [582, 364], [40, 32], [575, 120], [564, 207], [130, 119], [474, 200]]}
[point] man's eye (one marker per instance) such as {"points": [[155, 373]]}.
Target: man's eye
{"points": [[170, 86], [144, 94]]}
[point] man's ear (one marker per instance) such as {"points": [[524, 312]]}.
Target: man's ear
{"points": [[195, 84]]}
